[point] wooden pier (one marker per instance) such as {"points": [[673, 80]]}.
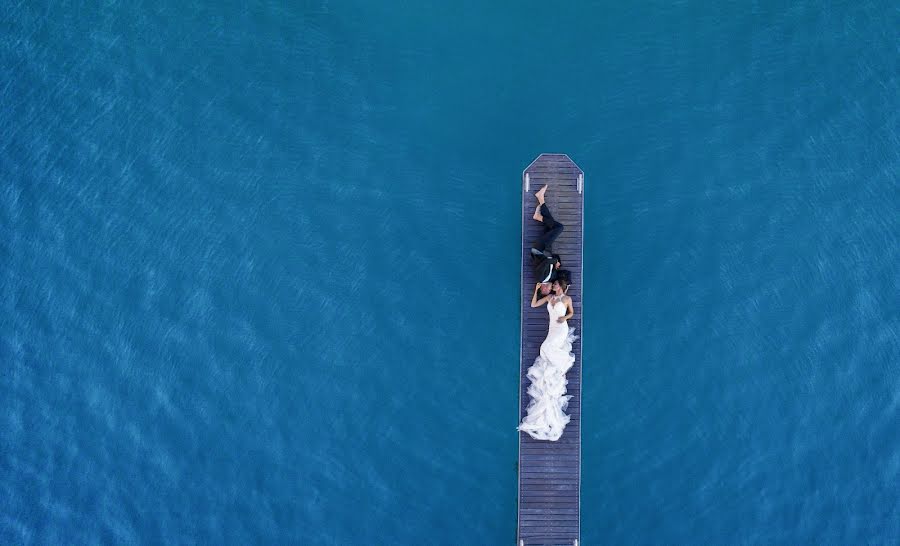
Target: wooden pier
{"points": [[550, 472]]}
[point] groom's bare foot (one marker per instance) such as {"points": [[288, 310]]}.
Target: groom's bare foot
{"points": [[540, 194], [537, 214]]}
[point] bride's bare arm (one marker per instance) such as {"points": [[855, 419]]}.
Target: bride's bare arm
{"points": [[569, 310], [535, 302]]}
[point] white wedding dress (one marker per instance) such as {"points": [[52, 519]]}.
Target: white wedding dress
{"points": [[546, 418]]}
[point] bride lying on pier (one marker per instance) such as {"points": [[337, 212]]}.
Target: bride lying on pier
{"points": [[546, 419]]}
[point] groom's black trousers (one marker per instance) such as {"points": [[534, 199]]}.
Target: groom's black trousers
{"points": [[552, 229]]}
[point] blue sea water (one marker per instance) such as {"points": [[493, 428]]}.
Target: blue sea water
{"points": [[259, 268]]}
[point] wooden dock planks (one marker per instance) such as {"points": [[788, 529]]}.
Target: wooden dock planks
{"points": [[549, 509]]}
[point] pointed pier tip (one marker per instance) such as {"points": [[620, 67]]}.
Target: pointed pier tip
{"points": [[552, 162]]}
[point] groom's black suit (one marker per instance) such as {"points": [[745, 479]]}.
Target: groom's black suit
{"points": [[544, 267], [543, 260]]}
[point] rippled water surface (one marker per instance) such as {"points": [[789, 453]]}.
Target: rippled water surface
{"points": [[259, 268]]}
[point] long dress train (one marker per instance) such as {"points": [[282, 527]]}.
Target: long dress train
{"points": [[546, 418]]}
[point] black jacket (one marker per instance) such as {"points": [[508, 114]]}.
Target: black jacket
{"points": [[544, 265]]}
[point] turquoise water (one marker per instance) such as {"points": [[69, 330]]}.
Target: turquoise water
{"points": [[259, 270]]}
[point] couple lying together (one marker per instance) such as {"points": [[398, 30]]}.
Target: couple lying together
{"points": [[546, 418]]}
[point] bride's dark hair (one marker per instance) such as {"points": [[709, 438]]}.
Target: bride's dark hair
{"points": [[564, 284]]}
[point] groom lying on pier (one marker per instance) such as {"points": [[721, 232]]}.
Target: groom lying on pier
{"points": [[546, 265]]}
